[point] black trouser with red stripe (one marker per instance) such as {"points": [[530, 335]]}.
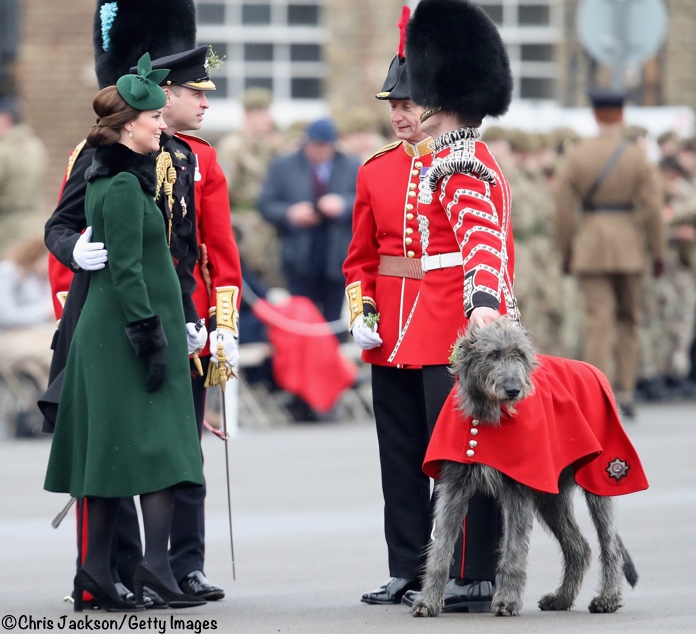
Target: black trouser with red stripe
{"points": [[187, 537], [407, 404]]}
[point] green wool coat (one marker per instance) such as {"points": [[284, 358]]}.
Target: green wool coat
{"points": [[113, 438]]}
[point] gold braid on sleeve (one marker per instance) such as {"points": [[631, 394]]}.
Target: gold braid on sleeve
{"points": [[226, 313], [355, 301], [226, 316]]}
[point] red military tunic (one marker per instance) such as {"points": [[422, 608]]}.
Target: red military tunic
{"points": [[214, 230], [60, 276], [571, 419], [464, 207], [385, 227]]}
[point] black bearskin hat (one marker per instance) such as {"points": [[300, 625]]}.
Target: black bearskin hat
{"points": [[125, 29], [457, 61]]}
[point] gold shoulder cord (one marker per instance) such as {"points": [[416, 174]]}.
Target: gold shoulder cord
{"points": [[73, 157], [382, 150], [166, 177], [62, 296]]}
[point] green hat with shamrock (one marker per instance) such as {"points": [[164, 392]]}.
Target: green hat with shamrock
{"points": [[141, 90]]}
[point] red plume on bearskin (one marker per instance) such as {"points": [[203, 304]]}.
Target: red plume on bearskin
{"points": [[457, 60], [402, 24], [125, 29]]}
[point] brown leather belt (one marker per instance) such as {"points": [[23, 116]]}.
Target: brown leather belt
{"points": [[394, 266]]}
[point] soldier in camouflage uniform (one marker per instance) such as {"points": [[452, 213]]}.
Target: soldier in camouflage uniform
{"points": [[358, 133], [562, 139], [538, 277], [245, 155], [23, 158], [686, 156], [680, 274], [668, 143], [658, 294]]}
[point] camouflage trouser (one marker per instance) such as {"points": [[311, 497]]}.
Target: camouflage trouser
{"points": [[259, 248], [549, 304], [680, 316], [670, 321], [653, 342], [16, 226]]}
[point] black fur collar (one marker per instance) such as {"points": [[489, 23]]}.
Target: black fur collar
{"points": [[110, 160]]}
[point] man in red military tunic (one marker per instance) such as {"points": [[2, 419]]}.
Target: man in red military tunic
{"points": [[383, 273], [218, 278], [459, 71]]}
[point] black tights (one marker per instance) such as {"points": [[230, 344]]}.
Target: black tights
{"points": [[102, 513]]}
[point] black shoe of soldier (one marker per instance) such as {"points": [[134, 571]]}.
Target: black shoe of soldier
{"points": [[391, 592], [627, 411], [654, 390], [460, 597], [197, 584]]}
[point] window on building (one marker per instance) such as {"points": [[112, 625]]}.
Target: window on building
{"points": [[258, 52], [531, 30], [495, 12], [537, 88], [306, 88], [9, 29], [305, 53], [303, 14], [276, 44], [537, 52], [210, 13], [534, 15]]}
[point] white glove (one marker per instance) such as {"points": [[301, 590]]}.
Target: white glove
{"points": [[366, 338], [195, 338], [229, 343], [90, 256]]}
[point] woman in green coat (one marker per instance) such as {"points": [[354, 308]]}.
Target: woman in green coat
{"points": [[126, 423]]}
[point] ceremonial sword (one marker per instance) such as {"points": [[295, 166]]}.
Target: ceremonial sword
{"points": [[223, 374]]}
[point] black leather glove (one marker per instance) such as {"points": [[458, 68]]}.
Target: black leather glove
{"points": [[157, 370], [148, 340]]}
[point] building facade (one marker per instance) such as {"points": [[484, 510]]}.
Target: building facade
{"points": [[323, 57]]}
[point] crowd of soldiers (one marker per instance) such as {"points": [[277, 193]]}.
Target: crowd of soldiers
{"points": [[549, 300]]}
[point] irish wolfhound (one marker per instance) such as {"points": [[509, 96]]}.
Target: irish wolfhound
{"points": [[493, 366]]}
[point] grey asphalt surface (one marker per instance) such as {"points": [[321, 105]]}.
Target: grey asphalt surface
{"points": [[307, 513]]}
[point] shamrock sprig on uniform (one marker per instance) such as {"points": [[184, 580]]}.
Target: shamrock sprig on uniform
{"points": [[371, 320]]}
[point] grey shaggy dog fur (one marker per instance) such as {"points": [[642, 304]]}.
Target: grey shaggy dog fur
{"points": [[493, 365]]}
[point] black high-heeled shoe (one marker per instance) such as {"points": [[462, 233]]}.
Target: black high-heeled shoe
{"points": [[143, 577], [111, 602]]}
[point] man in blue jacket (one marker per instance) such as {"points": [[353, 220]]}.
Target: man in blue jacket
{"points": [[308, 196]]}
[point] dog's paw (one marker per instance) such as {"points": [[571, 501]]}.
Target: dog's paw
{"points": [[506, 608], [421, 608], [554, 603], [608, 604]]}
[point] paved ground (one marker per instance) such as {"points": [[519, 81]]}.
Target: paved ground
{"points": [[308, 540]]}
